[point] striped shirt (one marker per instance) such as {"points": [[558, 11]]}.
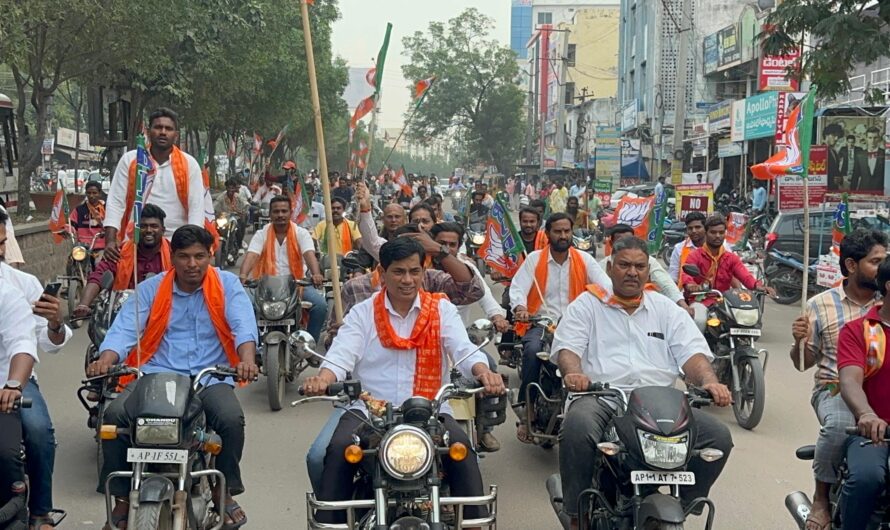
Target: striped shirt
{"points": [[828, 311]]}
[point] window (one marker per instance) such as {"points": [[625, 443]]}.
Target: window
{"points": [[570, 93], [545, 17], [570, 55]]}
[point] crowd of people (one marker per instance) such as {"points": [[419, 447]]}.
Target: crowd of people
{"points": [[406, 316]]}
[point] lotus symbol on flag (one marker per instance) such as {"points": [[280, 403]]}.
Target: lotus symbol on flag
{"points": [[496, 249], [633, 214]]}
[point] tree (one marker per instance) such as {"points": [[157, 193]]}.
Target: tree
{"points": [[839, 35], [475, 96]]}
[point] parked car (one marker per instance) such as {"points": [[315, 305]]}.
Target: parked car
{"points": [[640, 190], [786, 232]]}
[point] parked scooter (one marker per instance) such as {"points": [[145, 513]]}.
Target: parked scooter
{"points": [[785, 274], [640, 456], [733, 326], [173, 453]]}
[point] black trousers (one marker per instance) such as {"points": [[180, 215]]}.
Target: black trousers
{"points": [[11, 467], [531, 365], [224, 416], [337, 484]]}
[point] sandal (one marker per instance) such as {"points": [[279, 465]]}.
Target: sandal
{"points": [[230, 512], [36, 522], [523, 435], [814, 524], [116, 520]]}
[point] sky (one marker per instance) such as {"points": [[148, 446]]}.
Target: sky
{"points": [[359, 33]]}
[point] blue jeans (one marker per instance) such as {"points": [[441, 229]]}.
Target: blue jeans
{"points": [[40, 450], [866, 478], [319, 311], [315, 455]]}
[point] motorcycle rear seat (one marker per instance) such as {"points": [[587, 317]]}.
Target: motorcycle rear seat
{"points": [[807, 452]]}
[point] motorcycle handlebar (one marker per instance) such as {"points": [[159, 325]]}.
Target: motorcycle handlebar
{"points": [[332, 390], [115, 371], [854, 431], [22, 403]]}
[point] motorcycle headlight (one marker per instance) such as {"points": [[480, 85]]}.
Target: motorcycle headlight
{"points": [[665, 452], [406, 452], [478, 239], [746, 317], [582, 244], [78, 253], [157, 431], [274, 310]]}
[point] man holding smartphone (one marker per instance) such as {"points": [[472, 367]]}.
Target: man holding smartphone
{"points": [[51, 334]]}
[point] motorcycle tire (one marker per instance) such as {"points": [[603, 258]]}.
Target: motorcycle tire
{"points": [[749, 402], [665, 254], [75, 288], [661, 525], [782, 280], [152, 516], [276, 374]]}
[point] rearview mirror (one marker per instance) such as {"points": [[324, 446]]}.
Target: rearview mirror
{"points": [[692, 270]]}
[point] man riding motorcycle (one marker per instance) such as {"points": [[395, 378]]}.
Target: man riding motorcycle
{"points": [[695, 238], [192, 300], [153, 257], [283, 248], [657, 343], [394, 344], [545, 285], [88, 217], [232, 203], [861, 253], [865, 387]]}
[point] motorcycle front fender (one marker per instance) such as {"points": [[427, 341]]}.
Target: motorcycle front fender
{"points": [[744, 350], [274, 337], [660, 507], [156, 489]]}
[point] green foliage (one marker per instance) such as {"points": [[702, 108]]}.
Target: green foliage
{"points": [[841, 34], [475, 97]]}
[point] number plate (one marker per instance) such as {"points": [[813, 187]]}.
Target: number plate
{"points": [[273, 323], [682, 478], [157, 456], [749, 332]]}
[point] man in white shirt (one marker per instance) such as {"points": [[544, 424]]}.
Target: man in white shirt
{"points": [[567, 273], [630, 338], [13, 252], [18, 353], [316, 210], [51, 335], [390, 373], [264, 193], [177, 186], [695, 238], [279, 227]]}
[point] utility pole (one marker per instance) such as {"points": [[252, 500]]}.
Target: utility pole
{"points": [[684, 25], [561, 99]]}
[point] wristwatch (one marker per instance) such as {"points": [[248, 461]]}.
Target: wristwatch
{"points": [[12, 384], [443, 253]]}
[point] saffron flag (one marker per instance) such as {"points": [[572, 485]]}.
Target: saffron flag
{"points": [[280, 136], [635, 212], [421, 87], [231, 151], [58, 220], [299, 201], [736, 227], [371, 77], [796, 158], [364, 107], [502, 249], [402, 181]]}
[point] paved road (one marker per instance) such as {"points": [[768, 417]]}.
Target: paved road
{"points": [[750, 495]]}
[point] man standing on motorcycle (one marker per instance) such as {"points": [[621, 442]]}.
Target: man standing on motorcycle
{"points": [[88, 217], [695, 238], [861, 253], [264, 193], [177, 187], [39, 439], [153, 257], [283, 248], [546, 283], [396, 345], [193, 317], [658, 344], [865, 386]]}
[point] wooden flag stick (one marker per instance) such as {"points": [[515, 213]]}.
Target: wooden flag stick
{"points": [[322, 161]]}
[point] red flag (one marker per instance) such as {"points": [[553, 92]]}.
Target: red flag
{"points": [[634, 212], [58, 220], [366, 106], [231, 151], [735, 227], [422, 86], [371, 77], [402, 181], [257, 143]]}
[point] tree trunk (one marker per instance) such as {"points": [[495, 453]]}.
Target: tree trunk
{"points": [[31, 157], [213, 135]]}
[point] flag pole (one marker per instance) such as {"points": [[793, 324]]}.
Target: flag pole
{"points": [[372, 131], [322, 159]]}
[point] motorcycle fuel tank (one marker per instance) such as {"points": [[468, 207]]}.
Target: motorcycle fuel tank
{"points": [[161, 395]]}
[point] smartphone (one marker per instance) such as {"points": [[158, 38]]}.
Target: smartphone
{"points": [[52, 288]]}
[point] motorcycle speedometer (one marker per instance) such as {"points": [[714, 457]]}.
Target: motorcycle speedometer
{"points": [[406, 452], [664, 452]]}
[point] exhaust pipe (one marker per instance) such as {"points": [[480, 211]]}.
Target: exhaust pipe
{"points": [[554, 491], [799, 505]]}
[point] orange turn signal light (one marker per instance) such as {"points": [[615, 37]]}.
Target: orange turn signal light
{"points": [[457, 452], [353, 454], [108, 432], [713, 322], [213, 444]]}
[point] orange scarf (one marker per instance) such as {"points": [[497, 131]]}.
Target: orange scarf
{"points": [[344, 234], [684, 255], [715, 261], [541, 240], [97, 213], [620, 302], [577, 281], [124, 276], [266, 265], [180, 176], [425, 338], [159, 317]]}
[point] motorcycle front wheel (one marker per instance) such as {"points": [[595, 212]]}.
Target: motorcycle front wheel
{"points": [[153, 516], [661, 525], [749, 401], [221, 255], [74, 290], [276, 373]]}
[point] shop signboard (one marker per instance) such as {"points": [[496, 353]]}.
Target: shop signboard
{"points": [[694, 198], [790, 187], [719, 116], [608, 154], [727, 148], [710, 53], [773, 72], [737, 121], [760, 115], [787, 102], [729, 51]]}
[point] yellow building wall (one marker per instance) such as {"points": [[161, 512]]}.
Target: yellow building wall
{"points": [[595, 36]]}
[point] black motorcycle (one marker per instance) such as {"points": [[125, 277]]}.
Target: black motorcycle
{"points": [[544, 419], [648, 446], [733, 326], [399, 484], [475, 239], [279, 314], [584, 240], [81, 262], [231, 234], [799, 505]]}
